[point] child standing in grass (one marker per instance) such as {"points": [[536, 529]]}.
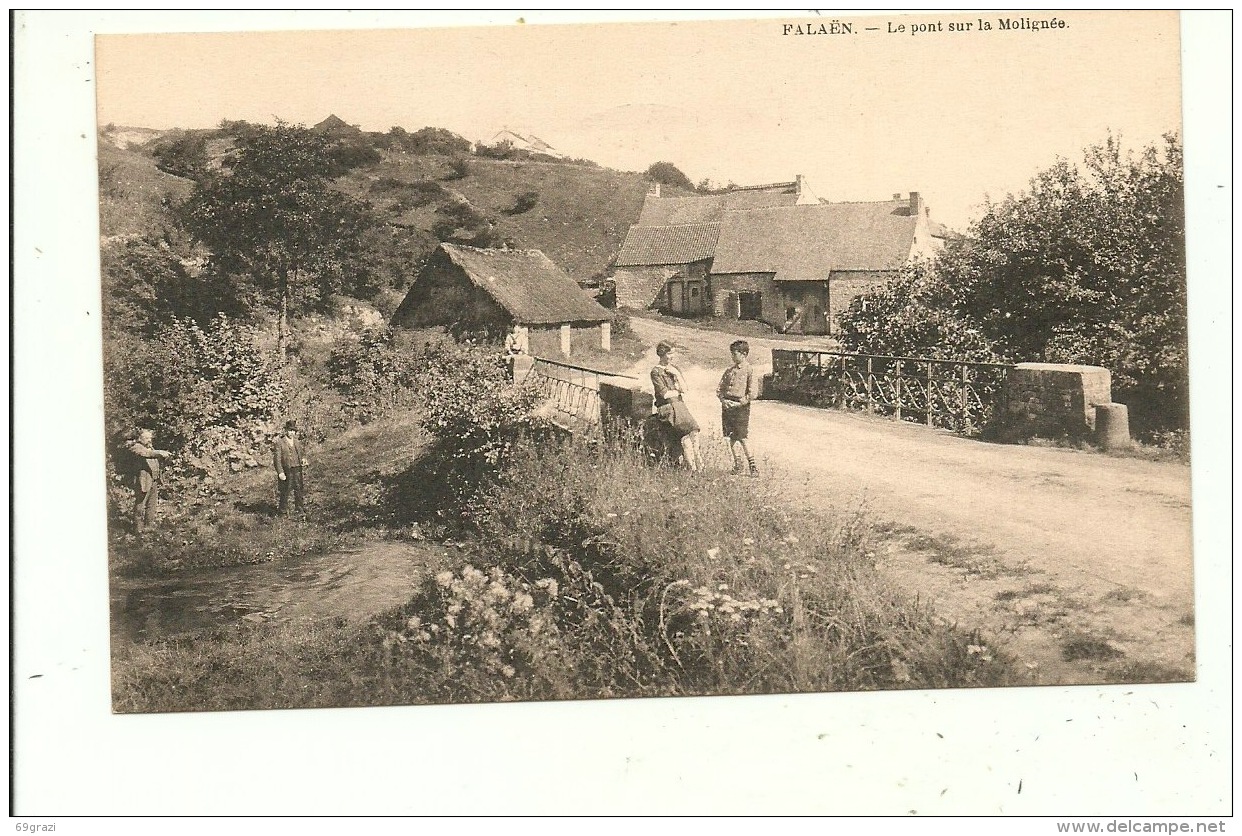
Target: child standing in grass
{"points": [[738, 387]]}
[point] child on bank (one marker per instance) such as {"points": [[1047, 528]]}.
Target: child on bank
{"points": [[738, 387]]}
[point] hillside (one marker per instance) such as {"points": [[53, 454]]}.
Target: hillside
{"points": [[133, 193], [579, 215]]}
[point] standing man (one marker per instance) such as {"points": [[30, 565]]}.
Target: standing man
{"points": [[738, 387], [289, 460], [146, 478]]}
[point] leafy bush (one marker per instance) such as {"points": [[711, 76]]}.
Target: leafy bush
{"points": [[373, 374], [184, 155], [523, 202], [460, 223], [458, 169], [915, 314], [210, 394], [426, 141], [146, 284], [475, 415], [669, 175]]}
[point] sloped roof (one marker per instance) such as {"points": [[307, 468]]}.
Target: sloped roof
{"points": [[809, 242], [665, 211], [527, 284], [673, 244]]}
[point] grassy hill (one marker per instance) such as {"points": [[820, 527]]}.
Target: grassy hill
{"points": [[576, 212], [133, 193]]}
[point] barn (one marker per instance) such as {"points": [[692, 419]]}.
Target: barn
{"points": [[489, 290]]}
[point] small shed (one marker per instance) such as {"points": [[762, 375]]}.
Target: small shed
{"points": [[489, 291]]}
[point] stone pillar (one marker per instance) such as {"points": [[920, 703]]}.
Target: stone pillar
{"points": [[1112, 426], [565, 339], [605, 336], [1051, 400], [520, 366]]}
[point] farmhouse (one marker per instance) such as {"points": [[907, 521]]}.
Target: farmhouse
{"points": [[773, 253], [477, 290]]}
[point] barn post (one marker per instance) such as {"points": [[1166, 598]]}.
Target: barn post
{"points": [[605, 336], [565, 339]]}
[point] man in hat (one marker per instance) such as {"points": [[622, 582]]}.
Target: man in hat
{"points": [[289, 460], [146, 476]]}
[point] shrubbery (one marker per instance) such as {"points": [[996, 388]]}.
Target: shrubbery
{"points": [[373, 375], [210, 394]]}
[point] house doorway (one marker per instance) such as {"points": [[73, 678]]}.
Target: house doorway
{"points": [[676, 297], [694, 298], [749, 305]]}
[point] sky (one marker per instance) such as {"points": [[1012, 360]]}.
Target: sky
{"points": [[957, 116]]}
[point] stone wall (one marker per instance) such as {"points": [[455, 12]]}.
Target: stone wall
{"points": [[545, 340], [1051, 400]]}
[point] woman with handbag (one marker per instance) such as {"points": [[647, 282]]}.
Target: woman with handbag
{"points": [[670, 386]]}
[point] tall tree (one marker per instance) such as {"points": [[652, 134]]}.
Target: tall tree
{"points": [[272, 214]]}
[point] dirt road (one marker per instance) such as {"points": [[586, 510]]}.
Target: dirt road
{"points": [[1079, 561]]}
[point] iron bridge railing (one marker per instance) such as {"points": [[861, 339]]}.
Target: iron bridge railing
{"points": [[953, 394]]}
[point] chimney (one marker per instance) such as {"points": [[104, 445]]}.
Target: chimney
{"points": [[896, 195], [916, 204], [654, 191], [798, 186]]}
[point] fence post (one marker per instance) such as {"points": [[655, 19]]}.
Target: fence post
{"points": [[965, 417], [930, 366], [870, 398], [897, 390]]}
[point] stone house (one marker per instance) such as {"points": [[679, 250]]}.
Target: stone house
{"points": [[776, 253], [488, 291]]}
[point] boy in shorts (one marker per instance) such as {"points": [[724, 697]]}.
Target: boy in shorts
{"points": [[738, 387]]}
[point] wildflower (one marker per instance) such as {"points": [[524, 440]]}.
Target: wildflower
{"points": [[748, 541], [735, 617], [523, 603], [713, 552], [444, 579], [973, 649], [611, 516], [723, 587], [508, 672], [791, 540], [414, 623]]}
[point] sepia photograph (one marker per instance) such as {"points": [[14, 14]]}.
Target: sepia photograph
{"points": [[548, 363]]}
